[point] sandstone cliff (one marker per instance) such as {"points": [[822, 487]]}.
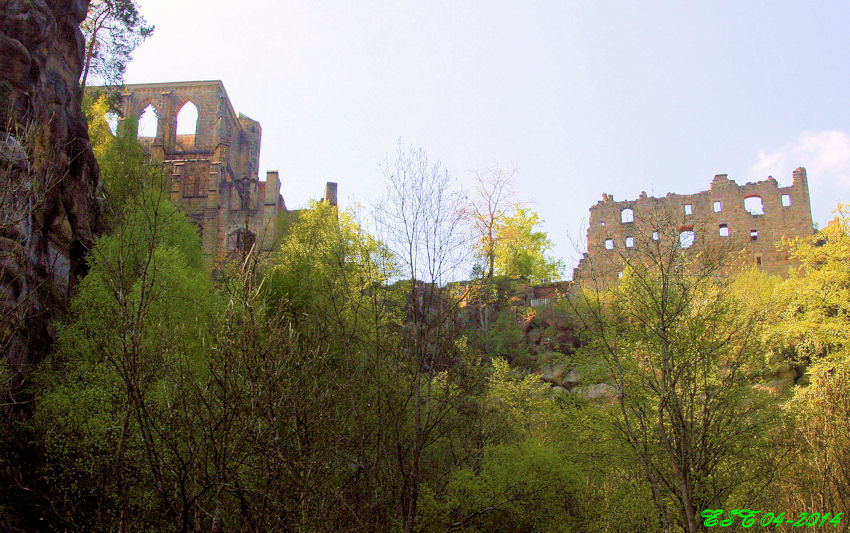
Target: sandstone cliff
{"points": [[48, 175]]}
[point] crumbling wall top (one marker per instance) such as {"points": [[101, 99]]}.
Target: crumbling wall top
{"points": [[752, 216]]}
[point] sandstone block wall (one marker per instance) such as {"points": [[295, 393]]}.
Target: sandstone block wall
{"points": [[712, 220], [215, 171]]}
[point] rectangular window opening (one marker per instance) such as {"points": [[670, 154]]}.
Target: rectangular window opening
{"points": [[718, 207], [724, 230], [609, 244], [754, 235], [689, 209], [786, 200]]}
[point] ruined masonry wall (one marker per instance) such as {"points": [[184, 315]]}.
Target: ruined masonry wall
{"points": [[776, 222], [215, 172]]}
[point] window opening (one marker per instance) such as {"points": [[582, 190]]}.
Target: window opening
{"points": [[718, 207], [187, 119], [686, 239], [194, 186], [724, 230], [754, 235], [758, 261], [753, 205], [786, 200], [148, 122], [112, 120], [627, 215], [240, 240], [689, 209], [609, 244], [654, 235], [630, 242]]}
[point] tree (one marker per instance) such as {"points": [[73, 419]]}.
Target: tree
{"points": [[520, 251], [680, 351], [423, 221], [491, 201], [112, 30], [124, 165], [816, 295], [132, 343], [814, 333]]}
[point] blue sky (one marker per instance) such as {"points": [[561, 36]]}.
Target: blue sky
{"points": [[583, 97]]}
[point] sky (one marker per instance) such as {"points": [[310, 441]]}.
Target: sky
{"points": [[581, 97]]}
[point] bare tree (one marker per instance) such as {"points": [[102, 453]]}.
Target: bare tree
{"points": [[422, 220], [421, 217]]}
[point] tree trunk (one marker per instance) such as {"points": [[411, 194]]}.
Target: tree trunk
{"points": [[119, 472], [90, 46]]}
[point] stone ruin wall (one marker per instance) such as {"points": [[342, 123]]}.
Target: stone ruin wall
{"points": [[755, 234], [215, 172]]}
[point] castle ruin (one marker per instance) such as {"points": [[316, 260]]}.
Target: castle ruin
{"points": [[215, 170], [751, 218]]}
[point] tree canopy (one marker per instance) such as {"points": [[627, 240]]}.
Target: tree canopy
{"points": [[112, 30], [521, 248]]}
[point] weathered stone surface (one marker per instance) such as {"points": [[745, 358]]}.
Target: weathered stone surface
{"points": [[215, 170], [596, 391], [48, 175], [717, 217]]}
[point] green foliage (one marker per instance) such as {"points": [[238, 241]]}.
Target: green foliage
{"points": [[138, 319], [521, 251], [522, 486], [821, 412], [815, 300], [125, 169], [680, 354], [506, 338], [308, 393], [814, 329], [325, 265], [137, 330], [523, 404]]}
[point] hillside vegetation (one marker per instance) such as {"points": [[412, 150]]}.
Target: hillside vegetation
{"points": [[341, 383]]}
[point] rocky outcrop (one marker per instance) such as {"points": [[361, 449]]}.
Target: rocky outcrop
{"points": [[49, 178]]}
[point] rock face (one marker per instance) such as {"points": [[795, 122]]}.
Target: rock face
{"points": [[48, 174]]}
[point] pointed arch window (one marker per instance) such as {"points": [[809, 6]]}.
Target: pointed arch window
{"points": [[148, 122], [187, 119], [112, 121]]}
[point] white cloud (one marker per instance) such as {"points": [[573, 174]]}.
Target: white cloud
{"points": [[825, 154]]}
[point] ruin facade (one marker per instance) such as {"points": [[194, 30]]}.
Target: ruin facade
{"points": [[215, 170], [750, 218]]}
